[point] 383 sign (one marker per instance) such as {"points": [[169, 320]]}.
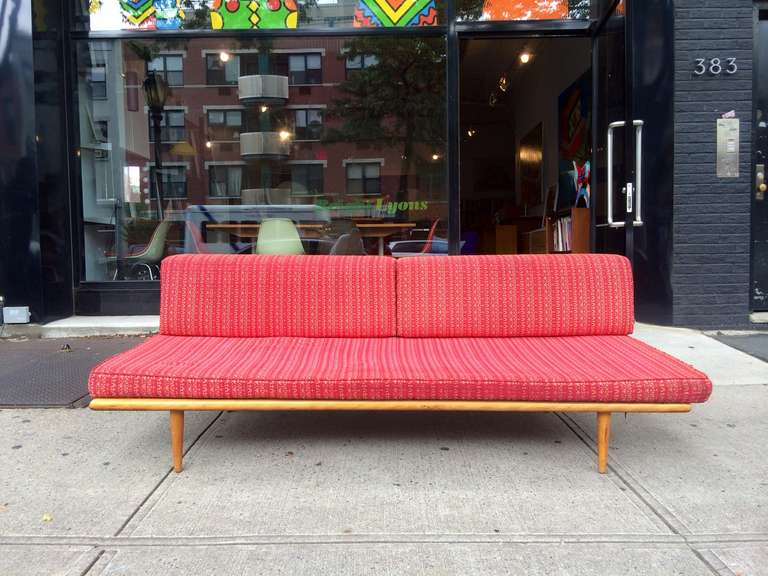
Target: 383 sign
{"points": [[715, 66]]}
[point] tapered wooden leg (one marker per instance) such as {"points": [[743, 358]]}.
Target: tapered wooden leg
{"points": [[603, 436], [177, 438]]}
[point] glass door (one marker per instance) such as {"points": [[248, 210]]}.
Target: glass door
{"points": [[617, 135]]}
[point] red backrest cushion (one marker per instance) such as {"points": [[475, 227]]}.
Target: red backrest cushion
{"points": [[507, 296], [259, 296]]}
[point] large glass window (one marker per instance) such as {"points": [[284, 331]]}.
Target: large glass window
{"points": [[337, 153]]}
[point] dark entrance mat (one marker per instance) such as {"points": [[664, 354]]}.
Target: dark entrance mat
{"points": [[754, 344], [52, 372]]}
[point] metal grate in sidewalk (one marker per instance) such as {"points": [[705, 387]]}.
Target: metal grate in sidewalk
{"points": [[48, 373]]}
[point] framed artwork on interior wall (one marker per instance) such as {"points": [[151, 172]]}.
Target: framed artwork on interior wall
{"points": [[531, 156], [575, 122]]}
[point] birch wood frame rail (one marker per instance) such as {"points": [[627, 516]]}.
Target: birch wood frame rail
{"points": [[177, 407]]}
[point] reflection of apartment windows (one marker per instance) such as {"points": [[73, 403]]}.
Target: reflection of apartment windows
{"points": [[307, 179], [97, 80], [218, 72], [170, 66], [305, 69], [225, 181], [308, 124], [174, 182], [101, 139], [225, 124], [172, 127], [361, 62], [363, 178]]}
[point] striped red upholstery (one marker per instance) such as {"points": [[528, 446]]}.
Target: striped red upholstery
{"points": [[509, 296], [258, 296], [582, 368]]}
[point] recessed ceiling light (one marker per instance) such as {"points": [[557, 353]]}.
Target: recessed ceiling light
{"points": [[525, 57]]}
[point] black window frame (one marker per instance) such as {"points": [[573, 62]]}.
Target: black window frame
{"points": [[308, 168], [364, 64], [306, 79], [209, 70], [221, 126], [170, 185], [450, 30], [214, 169], [308, 132], [165, 72], [103, 86], [165, 129], [364, 180]]}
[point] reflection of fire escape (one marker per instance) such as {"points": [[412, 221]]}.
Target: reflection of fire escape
{"points": [[263, 92]]}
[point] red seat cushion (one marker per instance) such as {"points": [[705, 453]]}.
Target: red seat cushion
{"points": [[249, 296], [507, 296], [576, 369]]}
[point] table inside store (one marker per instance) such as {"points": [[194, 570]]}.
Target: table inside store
{"points": [[378, 230]]}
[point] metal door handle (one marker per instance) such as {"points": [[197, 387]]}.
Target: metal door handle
{"points": [[634, 197]]}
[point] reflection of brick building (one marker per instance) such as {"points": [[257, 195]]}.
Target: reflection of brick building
{"points": [[204, 119]]}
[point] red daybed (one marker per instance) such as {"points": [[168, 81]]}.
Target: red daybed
{"points": [[484, 333]]}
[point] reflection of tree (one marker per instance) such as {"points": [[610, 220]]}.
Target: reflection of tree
{"points": [[470, 10], [399, 101], [196, 14]]}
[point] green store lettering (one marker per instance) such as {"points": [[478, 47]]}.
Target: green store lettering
{"points": [[379, 204]]}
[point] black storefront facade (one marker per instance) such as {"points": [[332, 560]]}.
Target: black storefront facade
{"points": [[81, 210]]}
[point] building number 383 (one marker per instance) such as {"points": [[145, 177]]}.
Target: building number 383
{"points": [[715, 66]]}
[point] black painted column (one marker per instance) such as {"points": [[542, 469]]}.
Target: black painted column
{"points": [[20, 270]]}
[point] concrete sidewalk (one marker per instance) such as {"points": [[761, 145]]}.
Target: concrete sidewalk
{"points": [[313, 493]]}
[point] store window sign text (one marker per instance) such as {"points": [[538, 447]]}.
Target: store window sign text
{"points": [[715, 66], [379, 204]]}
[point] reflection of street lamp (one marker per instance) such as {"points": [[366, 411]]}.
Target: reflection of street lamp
{"points": [[156, 93]]}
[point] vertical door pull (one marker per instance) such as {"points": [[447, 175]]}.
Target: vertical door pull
{"points": [[634, 193]]}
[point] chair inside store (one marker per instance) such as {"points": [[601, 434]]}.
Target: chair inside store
{"points": [[278, 236], [144, 265]]}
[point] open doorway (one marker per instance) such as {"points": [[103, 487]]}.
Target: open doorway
{"points": [[526, 146]]}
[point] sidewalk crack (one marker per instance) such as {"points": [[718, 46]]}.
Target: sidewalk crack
{"points": [[674, 524], [165, 477]]}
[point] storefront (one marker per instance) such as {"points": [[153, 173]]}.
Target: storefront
{"points": [[413, 128]]}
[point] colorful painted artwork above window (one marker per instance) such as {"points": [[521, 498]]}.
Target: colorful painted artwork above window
{"points": [[144, 15], [395, 13], [525, 9], [509, 10], [195, 14], [253, 14]]}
